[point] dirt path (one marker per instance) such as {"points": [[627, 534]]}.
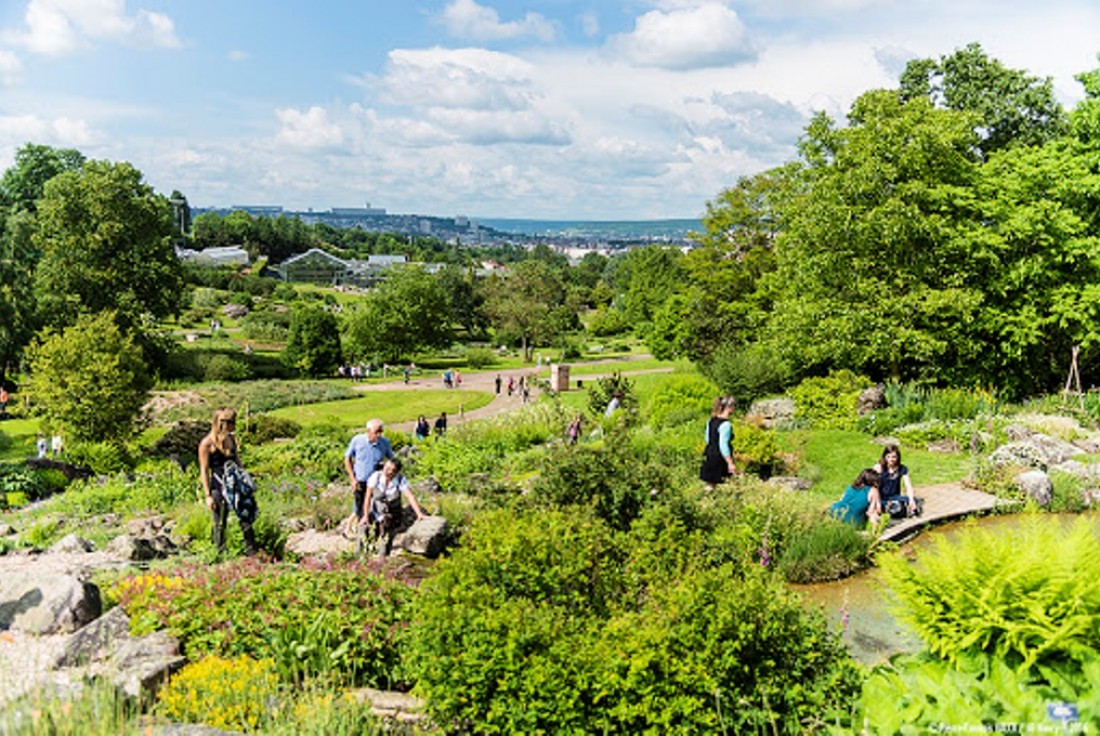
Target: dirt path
{"points": [[485, 381]]}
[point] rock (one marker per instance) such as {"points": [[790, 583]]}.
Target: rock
{"points": [[427, 537], [426, 487], [312, 543], [388, 704], [234, 311], [95, 641], [132, 651], [1052, 451], [144, 677], [947, 446], [187, 729], [887, 440], [1036, 485], [1089, 445], [128, 547], [790, 482], [773, 411], [870, 399], [40, 603], [71, 544], [6, 530]]}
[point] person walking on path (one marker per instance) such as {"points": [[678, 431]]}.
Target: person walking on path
{"points": [[365, 454], [497, 381], [441, 425], [216, 450], [718, 463], [574, 430]]}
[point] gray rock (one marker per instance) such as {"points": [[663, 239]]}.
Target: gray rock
{"points": [[44, 603], [129, 547], [1089, 445], [1036, 485], [790, 482], [71, 544], [189, 729], [144, 677], [426, 487], [870, 399], [391, 705], [312, 543], [773, 411], [1050, 450], [6, 530], [96, 641], [426, 537]]}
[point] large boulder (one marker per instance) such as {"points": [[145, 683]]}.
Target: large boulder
{"points": [[773, 411], [71, 544], [1032, 448], [427, 537], [871, 399], [95, 641], [1036, 485], [46, 603], [313, 543]]}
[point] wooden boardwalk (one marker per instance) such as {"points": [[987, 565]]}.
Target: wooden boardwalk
{"points": [[942, 502]]}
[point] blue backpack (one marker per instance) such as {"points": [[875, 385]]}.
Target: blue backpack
{"points": [[240, 492]]}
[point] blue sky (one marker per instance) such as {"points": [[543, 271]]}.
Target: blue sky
{"points": [[554, 109]]}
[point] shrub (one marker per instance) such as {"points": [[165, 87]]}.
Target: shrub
{"points": [[104, 458], [829, 402], [611, 480], [531, 627], [265, 428], [603, 389], [756, 449], [827, 550], [158, 491], [230, 694], [266, 326], [747, 372], [19, 479], [680, 398], [480, 357], [204, 297]]}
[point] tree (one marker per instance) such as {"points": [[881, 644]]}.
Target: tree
{"points": [[465, 301], [1012, 107], [646, 277], [105, 239], [407, 313], [528, 305], [24, 182], [313, 343], [88, 380]]}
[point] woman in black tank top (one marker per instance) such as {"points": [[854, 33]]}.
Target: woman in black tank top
{"points": [[215, 450]]}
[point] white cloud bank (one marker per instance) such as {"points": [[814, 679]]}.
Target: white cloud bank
{"points": [[62, 27]]}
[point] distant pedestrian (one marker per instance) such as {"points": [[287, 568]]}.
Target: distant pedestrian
{"points": [[458, 379], [405, 372], [441, 425], [56, 445], [41, 446], [423, 429], [511, 386], [4, 399], [497, 381], [574, 430]]}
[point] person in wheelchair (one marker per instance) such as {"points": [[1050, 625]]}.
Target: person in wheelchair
{"points": [[385, 488]]}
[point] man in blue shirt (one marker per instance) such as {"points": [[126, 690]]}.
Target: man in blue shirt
{"points": [[366, 453]]}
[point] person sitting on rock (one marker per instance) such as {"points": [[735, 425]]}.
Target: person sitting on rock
{"points": [[385, 489]]}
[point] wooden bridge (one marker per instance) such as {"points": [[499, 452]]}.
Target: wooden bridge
{"points": [[942, 502]]}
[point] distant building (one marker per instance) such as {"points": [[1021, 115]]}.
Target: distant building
{"points": [[258, 210], [232, 255], [367, 211], [318, 267]]}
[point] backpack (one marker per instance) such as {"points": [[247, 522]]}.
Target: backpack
{"points": [[240, 492], [898, 507]]}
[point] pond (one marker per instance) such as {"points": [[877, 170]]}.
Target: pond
{"points": [[860, 606]]}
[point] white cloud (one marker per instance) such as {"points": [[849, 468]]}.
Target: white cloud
{"points": [[703, 35], [60, 27], [238, 55], [15, 130], [590, 24], [309, 129], [459, 78], [467, 19], [11, 69]]}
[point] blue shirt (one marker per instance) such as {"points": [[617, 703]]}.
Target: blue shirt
{"points": [[725, 434], [852, 508], [367, 456]]}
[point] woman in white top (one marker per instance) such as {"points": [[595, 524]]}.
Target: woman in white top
{"points": [[385, 488]]}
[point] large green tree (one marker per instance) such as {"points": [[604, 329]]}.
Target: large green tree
{"points": [[23, 183], [406, 313], [313, 342], [105, 242], [88, 380], [1012, 108], [528, 306]]}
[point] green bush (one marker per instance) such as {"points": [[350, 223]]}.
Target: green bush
{"points": [[206, 298], [222, 367], [532, 627], [478, 358], [829, 402], [827, 550], [678, 399], [756, 449], [747, 372], [266, 326], [104, 458], [611, 480], [603, 389], [17, 478], [265, 428], [159, 489]]}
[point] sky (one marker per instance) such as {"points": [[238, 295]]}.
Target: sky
{"points": [[545, 109]]}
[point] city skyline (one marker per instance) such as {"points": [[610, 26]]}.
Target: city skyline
{"points": [[546, 109]]}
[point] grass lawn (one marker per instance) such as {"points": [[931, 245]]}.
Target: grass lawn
{"points": [[832, 458], [22, 433], [389, 406]]}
